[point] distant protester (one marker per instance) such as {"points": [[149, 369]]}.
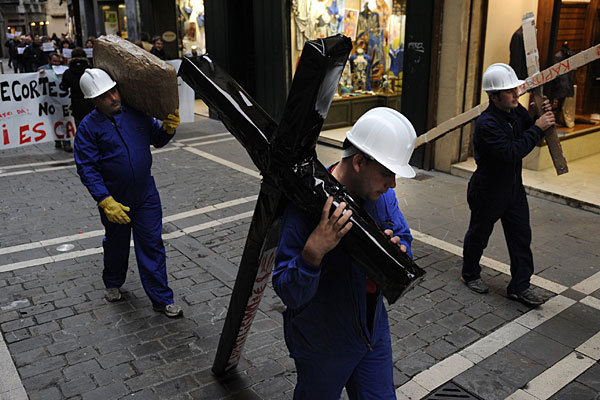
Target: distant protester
{"points": [[157, 48]]}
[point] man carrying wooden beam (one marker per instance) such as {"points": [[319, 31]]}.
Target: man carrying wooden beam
{"points": [[504, 134]]}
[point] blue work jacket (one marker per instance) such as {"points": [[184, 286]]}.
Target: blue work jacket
{"points": [[500, 142], [326, 304], [113, 155]]}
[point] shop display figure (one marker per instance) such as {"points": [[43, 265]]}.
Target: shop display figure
{"points": [[345, 86], [385, 85], [361, 64]]}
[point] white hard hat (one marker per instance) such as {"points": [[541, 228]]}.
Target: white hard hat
{"points": [[500, 76], [388, 137], [95, 82]]}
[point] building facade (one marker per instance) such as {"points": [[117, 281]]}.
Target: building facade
{"points": [[424, 58], [26, 17]]}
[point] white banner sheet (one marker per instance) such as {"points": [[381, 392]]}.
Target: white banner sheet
{"points": [[33, 109]]}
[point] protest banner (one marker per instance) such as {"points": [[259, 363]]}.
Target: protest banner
{"points": [[34, 110]]}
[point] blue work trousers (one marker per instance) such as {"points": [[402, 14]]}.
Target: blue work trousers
{"points": [[513, 212], [367, 375], [146, 224]]}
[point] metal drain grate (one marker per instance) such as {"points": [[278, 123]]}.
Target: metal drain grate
{"points": [[451, 391]]}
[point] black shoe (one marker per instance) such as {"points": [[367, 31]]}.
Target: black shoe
{"points": [[58, 144], [476, 285], [527, 297], [68, 148]]}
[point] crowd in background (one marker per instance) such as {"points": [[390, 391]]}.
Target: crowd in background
{"points": [[30, 54]]}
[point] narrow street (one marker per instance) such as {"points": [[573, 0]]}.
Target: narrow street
{"points": [[61, 339]]}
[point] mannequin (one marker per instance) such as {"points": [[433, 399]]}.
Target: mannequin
{"points": [[361, 70]]}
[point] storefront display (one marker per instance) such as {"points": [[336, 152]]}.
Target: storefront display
{"points": [[376, 28], [373, 74], [190, 18]]}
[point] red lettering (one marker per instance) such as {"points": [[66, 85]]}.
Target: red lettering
{"points": [[259, 291], [21, 111], [262, 278], [70, 129], [566, 65], [5, 135], [24, 138], [251, 308], [548, 77], [42, 133], [56, 125], [266, 266], [267, 261]]}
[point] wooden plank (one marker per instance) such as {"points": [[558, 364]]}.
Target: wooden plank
{"points": [[533, 67], [547, 75]]}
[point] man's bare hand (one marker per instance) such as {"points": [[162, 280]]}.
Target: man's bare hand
{"points": [[545, 121], [394, 239], [328, 233]]}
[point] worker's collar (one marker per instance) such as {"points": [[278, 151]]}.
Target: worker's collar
{"points": [[510, 115]]}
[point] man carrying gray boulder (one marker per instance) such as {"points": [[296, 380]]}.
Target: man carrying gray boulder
{"points": [[112, 152]]}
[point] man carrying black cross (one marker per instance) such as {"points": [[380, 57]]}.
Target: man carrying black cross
{"points": [[336, 326]]}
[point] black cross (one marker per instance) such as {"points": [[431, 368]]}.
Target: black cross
{"points": [[285, 154]]}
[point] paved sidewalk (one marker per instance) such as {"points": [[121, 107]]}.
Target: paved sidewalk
{"points": [[66, 341]]}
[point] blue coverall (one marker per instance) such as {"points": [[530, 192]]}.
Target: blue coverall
{"points": [[113, 159], [496, 191], [325, 324]]}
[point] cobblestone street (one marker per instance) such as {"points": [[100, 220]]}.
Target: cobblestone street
{"points": [[62, 340]]}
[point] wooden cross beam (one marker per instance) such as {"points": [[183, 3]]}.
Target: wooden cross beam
{"points": [[570, 64], [533, 68], [285, 154]]}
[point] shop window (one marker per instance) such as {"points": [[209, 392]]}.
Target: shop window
{"points": [[376, 28], [575, 95], [190, 18], [114, 18]]}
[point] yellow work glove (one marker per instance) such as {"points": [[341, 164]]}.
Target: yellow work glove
{"points": [[171, 122], [115, 211]]}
